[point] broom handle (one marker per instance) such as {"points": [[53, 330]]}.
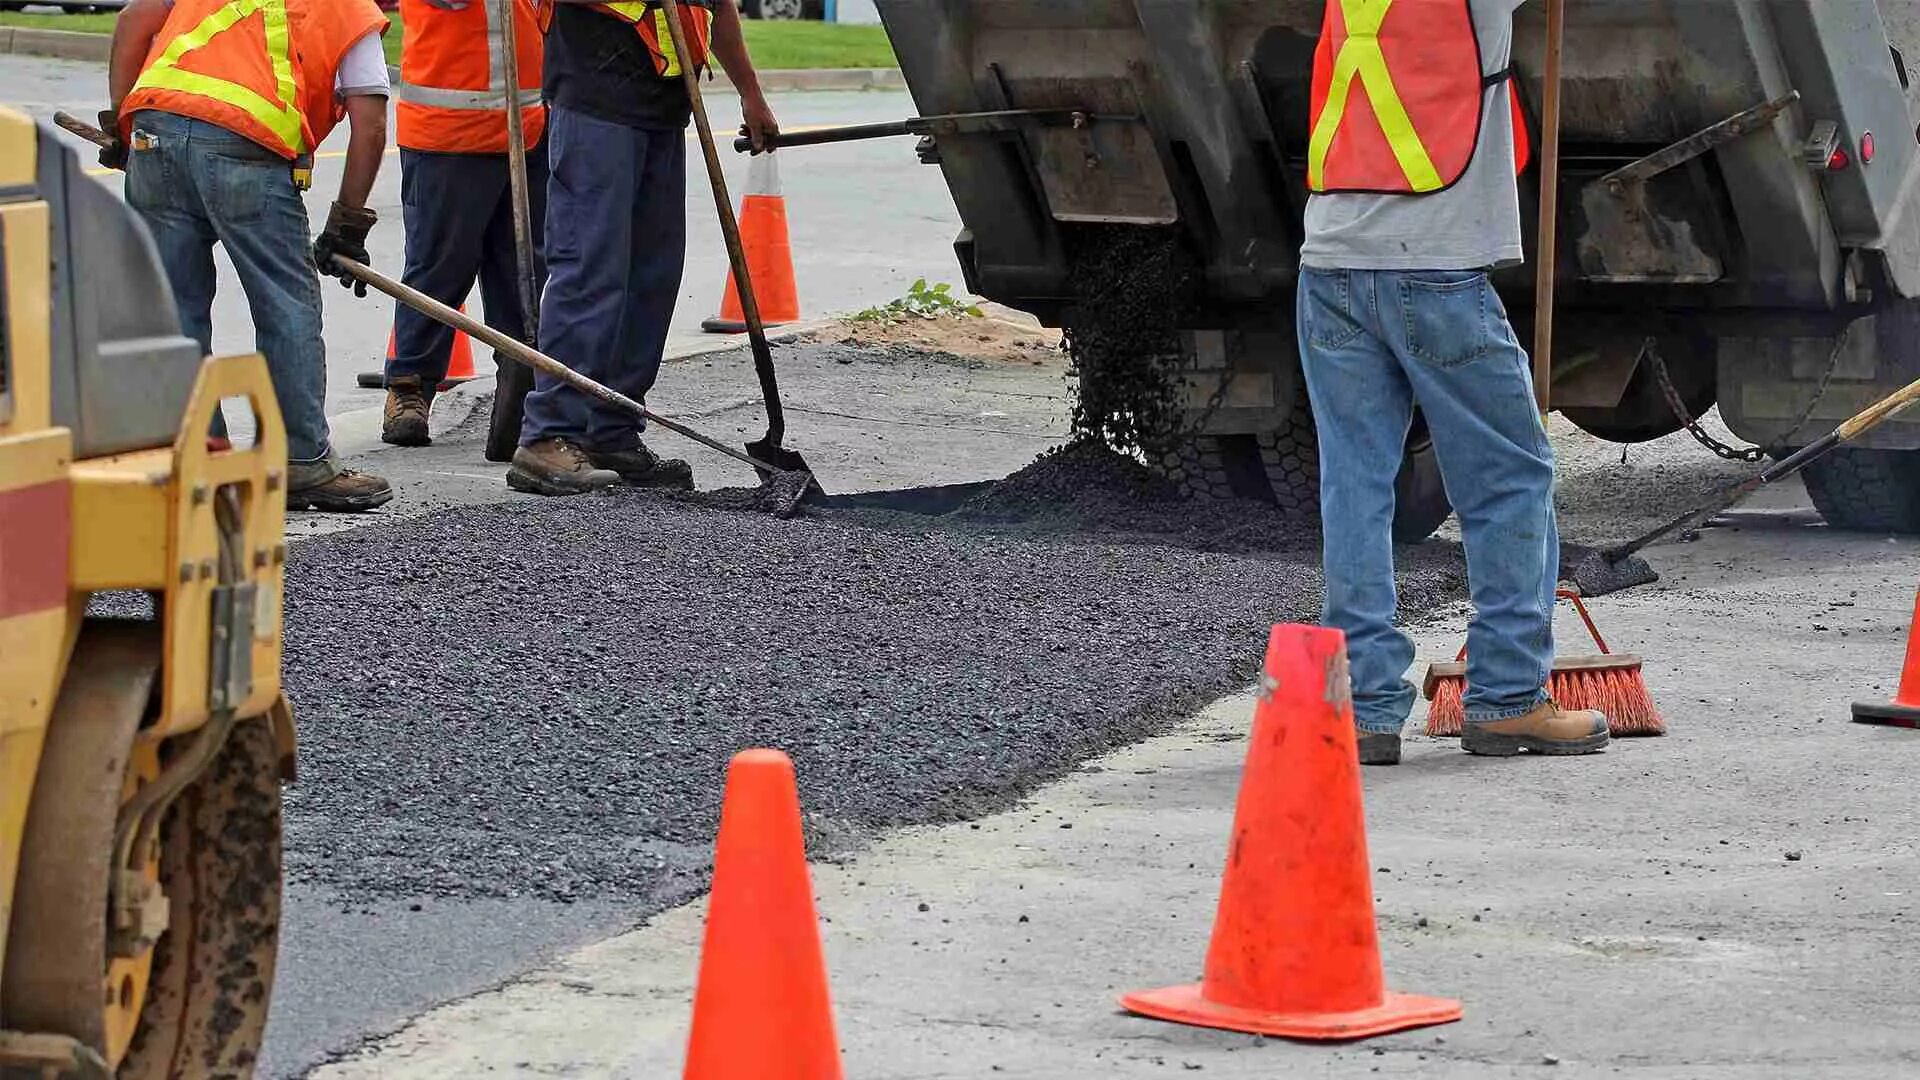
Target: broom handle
{"points": [[1548, 253], [1579, 606]]}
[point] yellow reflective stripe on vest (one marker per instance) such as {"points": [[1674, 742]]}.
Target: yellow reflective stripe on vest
{"points": [[1360, 55], [634, 12], [666, 41], [284, 121]]}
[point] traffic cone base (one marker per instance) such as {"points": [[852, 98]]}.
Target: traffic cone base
{"points": [[1904, 709], [459, 364], [1187, 1005], [1889, 713]]}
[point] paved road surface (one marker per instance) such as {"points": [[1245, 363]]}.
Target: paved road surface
{"points": [[867, 218]]}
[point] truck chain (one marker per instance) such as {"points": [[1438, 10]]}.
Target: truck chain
{"points": [[1751, 454]]}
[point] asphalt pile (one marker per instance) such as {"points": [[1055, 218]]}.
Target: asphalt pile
{"points": [[1135, 286], [539, 699], [1085, 487]]}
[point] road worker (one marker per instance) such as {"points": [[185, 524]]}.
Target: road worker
{"points": [[616, 229], [217, 106], [1412, 166], [456, 196]]}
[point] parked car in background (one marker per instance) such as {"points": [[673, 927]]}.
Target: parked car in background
{"points": [[783, 9]]}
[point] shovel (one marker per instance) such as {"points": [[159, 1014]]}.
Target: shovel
{"points": [[1620, 567], [768, 448]]}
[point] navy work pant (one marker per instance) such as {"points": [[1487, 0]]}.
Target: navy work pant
{"points": [[616, 244], [459, 218]]}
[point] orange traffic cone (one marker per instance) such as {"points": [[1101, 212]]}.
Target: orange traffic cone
{"points": [[763, 233], [760, 1010], [1294, 950], [459, 363], [1904, 709]]}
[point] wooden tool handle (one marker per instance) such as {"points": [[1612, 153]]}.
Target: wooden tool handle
{"points": [[523, 254], [532, 357], [1873, 415], [76, 126], [1546, 254], [729, 231]]}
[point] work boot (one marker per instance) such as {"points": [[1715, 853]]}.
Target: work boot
{"points": [[408, 403], [1379, 748], [556, 467], [345, 492], [1548, 729], [641, 467]]}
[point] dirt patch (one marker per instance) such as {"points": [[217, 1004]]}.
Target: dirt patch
{"points": [[1000, 335]]}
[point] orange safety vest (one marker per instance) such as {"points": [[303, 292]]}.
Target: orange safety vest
{"points": [[259, 68], [1397, 98], [650, 19], [452, 97]]}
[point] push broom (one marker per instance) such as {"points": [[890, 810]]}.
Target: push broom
{"points": [[1609, 682]]}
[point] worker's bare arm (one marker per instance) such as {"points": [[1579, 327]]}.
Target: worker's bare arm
{"points": [[133, 34], [366, 143], [730, 48]]}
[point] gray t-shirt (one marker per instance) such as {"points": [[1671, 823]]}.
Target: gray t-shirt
{"points": [[1471, 225]]}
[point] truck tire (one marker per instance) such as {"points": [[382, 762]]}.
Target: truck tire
{"points": [[1282, 467], [1867, 490]]}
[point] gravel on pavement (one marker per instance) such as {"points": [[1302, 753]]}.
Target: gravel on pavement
{"points": [[539, 699]]}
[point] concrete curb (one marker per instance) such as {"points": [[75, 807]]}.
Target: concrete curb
{"points": [[821, 79], [68, 45], [59, 44]]}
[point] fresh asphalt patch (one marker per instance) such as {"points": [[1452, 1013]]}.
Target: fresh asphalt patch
{"points": [[539, 699]]}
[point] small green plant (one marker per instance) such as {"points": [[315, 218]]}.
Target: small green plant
{"points": [[922, 301]]}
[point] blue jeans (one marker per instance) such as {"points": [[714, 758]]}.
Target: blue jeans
{"points": [[1375, 344], [459, 218], [199, 184], [616, 244]]}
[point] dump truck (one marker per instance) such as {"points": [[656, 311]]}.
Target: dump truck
{"points": [[1739, 214], [143, 735]]}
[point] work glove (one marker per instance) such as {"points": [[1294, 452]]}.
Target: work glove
{"points": [[114, 154], [345, 234]]}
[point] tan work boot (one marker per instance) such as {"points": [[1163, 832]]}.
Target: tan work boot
{"points": [[345, 492], [408, 403], [556, 467], [1548, 729]]}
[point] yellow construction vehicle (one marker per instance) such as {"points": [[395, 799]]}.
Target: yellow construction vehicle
{"points": [[143, 735]]}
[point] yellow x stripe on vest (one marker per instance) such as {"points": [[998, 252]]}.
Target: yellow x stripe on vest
{"points": [[284, 121], [1360, 56], [636, 10]]}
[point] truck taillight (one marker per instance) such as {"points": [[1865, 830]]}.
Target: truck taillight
{"points": [[1866, 148], [1838, 160]]}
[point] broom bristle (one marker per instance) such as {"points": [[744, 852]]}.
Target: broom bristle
{"points": [[1447, 711], [1619, 692]]}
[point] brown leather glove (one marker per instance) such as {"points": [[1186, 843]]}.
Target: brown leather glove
{"points": [[345, 234]]}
